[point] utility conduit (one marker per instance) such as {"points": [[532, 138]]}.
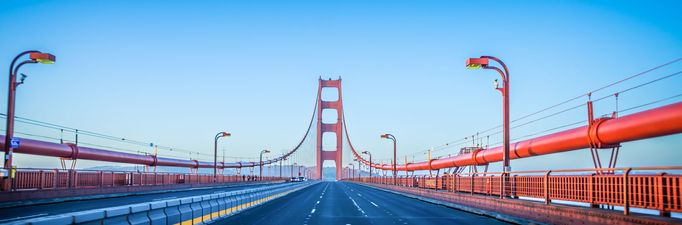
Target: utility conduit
{"points": [[661, 121]]}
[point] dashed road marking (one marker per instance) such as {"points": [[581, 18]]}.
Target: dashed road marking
{"points": [[357, 206]]}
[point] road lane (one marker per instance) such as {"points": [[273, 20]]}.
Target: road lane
{"points": [[294, 208], [412, 211], [348, 203]]}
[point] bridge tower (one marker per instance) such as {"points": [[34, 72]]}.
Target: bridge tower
{"points": [[336, 128]]}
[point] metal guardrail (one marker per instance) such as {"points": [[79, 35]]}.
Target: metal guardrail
{"points": [[42, 179], [189, 210], [624, 187]]}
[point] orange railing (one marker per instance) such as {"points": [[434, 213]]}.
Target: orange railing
{"points": [[39, 179], [644, 187]]}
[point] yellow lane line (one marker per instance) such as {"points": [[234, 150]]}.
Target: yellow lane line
{"points": [[223, 212]]}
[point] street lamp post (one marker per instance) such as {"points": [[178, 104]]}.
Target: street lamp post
{"points": [[215, 154], [261, 163], [359, 168], [391, 137], [483, 62], [10, 142], [292, 169], [280, 167], [352, 170], [370, 163]]}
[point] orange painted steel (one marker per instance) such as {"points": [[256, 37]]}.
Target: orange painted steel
{"points": [[620, 187], [336, 128], [44, 179], [665, 120]]}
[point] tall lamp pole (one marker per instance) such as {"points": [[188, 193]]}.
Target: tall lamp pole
{"points": [[352, 170], [261, 163], [391, 137], [280, 167], [370, 162], [10, 142], [483, 62], [215, 154]]}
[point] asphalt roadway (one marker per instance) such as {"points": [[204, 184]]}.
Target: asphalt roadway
{"points": [[349, 204], [31, 211]]}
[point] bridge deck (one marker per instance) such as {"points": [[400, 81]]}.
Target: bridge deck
{"points": [[348, 203]]}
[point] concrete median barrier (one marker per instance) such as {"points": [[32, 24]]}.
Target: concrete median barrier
{"points": [[201, 209]]}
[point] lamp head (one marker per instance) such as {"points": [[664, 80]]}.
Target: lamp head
{"points": [[384, 136], [497, 84], [44, 58], [226, 134], [476, 63], [266, 151], [365, 152]]}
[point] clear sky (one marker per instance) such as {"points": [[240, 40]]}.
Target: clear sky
{"points": [[176, 72]]}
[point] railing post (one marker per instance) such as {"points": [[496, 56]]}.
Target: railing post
{"points": [[512, 186], [546, 187], [101, 178], [75, 178], [591, 193], [472, 183], [502, 183], [626, 203], [661, 196], [69, 177], [55, 178], [42, 179]]}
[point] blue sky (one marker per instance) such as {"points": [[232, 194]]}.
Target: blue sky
{"points": [[176, 72]]}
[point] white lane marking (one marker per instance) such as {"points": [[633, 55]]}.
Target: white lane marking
{"points": [[357, 206], [23, 217], [359, 195], [374, 204], [315, 206]]}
